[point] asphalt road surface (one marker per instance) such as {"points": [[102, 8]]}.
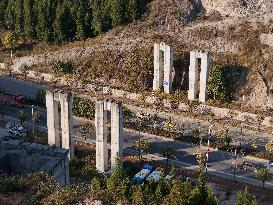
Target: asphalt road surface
{"points": [[219, 163]]}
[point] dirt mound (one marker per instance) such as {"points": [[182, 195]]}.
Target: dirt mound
{"points": [[240, 7]]}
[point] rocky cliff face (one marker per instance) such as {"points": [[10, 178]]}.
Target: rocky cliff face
{"points": [[259, 8]]}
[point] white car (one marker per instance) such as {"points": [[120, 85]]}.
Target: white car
{"points": [[16, 130], [155, 175]]}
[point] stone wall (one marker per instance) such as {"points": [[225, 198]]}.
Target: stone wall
{"points": [[19, 157], [202, 108]]}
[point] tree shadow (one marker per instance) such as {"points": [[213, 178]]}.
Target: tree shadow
{"points": [[181, 76], [26, 46], [235, 76]]}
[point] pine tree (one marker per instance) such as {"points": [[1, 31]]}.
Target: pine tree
{"points": [[211, 198], [149, 195], [98, 15], [29, 19], [43, 23], [179, 194], [79, 15], [59, 32], [3, 7], [132, 12], [244, 198], [137, 195], [10, 15], [117, 12], [117, 184], [19, 17], [63, 24]]}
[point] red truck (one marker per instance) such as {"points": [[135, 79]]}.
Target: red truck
{"points": [[12, 99]]}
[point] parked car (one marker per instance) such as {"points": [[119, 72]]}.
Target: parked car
{"points": [[155, 175], [251, 166], [18, 130], [143, 174]]}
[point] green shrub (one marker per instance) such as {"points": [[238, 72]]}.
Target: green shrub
{"points": [[39, 185], [61, 68], [83, 108], [67, 195], [217, 84], [9, 184]]}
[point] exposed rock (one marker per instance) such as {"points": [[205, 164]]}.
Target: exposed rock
{"points": [[240, 7]]}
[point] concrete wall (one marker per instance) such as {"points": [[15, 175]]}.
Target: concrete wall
{"points": [[18, 158]]}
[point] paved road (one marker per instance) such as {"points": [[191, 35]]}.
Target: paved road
{"points": [[220, 161], [27, 89], [248, 138]]}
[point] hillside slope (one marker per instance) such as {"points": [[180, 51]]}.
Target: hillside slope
{"points": [[238, 32]]}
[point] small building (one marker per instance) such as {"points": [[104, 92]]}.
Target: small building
{"points": [[19, 158]]}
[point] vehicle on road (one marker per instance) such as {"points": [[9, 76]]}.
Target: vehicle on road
{"points": [[17, 130], [143, 174], [12, 99], [251, 166], [155, 175]]}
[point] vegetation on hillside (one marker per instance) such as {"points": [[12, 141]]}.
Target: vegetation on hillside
{"points": [[58, 21]]}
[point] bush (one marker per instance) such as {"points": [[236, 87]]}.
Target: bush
{"points": [[39, 185], [67, 195], [9, 184], [83, 108], [61, 68], [217, 84]]}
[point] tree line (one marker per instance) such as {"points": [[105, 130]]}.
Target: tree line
{"points": [[55, 21]]}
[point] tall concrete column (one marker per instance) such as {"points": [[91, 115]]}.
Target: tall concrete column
{"points": [[205, 64], [116, 133], [168, 66], [67, 123], [158, 58], [53, 120], [101, 137], [193, 73]]}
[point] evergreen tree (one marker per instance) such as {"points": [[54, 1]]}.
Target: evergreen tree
{"points": [[132, 10], [137, 195], [179, 194], [168, 152], [199, 193], [63, 24], [211, 198], [10, 15], [101, 19], [79, 15], [19, 17], [263, 175], [29, 19], [117, 12], [96, 189], [3, 7], [43, 21], [244, 198], [162, 189], [117, 184], [149, 195]]}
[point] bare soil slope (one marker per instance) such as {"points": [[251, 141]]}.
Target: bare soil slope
{"points": [[238, 32]]}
